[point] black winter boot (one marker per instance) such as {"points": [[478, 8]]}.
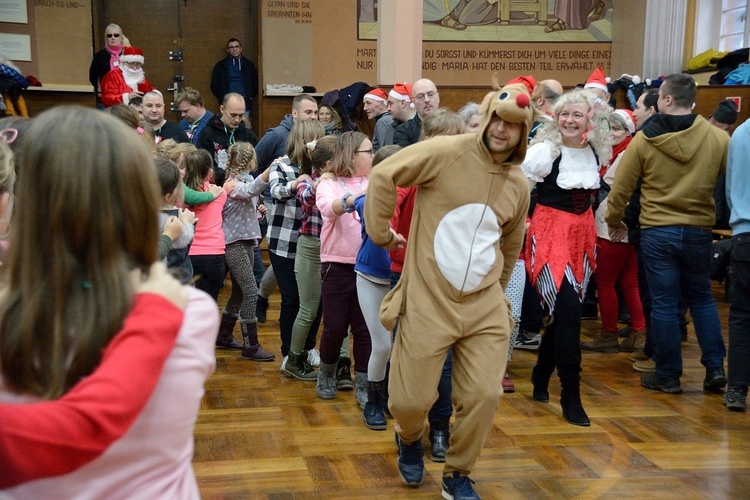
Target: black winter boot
{"points": [[570, 399], [373, 412], [545, 365], [225, 339]]}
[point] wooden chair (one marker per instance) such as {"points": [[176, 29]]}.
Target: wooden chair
{"points": [[539, 8]]}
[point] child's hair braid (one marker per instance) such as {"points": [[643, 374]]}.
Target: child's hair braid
{"points": [[239, 156]]}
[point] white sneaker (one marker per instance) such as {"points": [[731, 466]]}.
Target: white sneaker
{"points": [[283, 363], [313, 357]]}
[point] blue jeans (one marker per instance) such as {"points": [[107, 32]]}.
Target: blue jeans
{"points": [[677, 260]]}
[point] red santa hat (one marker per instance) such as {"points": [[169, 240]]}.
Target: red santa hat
{"points": [[627, 115], [376, 94], [401, 91], [526, 81], [597, 80], [132, 54]]}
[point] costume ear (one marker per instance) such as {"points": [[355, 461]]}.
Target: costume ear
{"points": [[496, 81]]}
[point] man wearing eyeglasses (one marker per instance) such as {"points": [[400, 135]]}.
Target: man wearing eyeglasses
{"points": [[127, 81], [426, 100], [235, 73]]}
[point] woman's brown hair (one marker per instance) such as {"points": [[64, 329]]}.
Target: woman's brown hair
{"points": [[442, 121], [296, 143], [129, 116], [175, 151], [348, 144], [198, 165], [324, 151], [88, 202]]}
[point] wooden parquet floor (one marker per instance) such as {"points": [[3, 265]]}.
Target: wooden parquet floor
{"points": [[262, 435]]}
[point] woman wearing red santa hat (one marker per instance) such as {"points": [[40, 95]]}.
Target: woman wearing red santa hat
{"points": [[127, 81]]}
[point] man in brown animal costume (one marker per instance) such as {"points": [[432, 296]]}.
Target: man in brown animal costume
{"points": [[466, 234]]}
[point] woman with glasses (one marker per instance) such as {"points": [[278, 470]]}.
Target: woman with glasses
{"points": [[563, 162], [107, 59], [340, 239]]}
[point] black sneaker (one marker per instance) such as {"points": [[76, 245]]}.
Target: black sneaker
{"points": [[734, 398], [669, 385], [528, 340], [458, 487], [410, 462], [715, 379], [344, 375]]}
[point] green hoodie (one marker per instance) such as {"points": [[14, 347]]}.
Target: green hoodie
{"points": [[679, 158]]}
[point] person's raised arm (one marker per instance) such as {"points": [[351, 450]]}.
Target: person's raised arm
{"points": [[52, 438]]}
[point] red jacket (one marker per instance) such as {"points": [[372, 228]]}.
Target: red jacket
{"points": [[115, 90]]}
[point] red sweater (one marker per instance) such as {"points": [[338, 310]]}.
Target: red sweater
{"points": [[400, 222]]}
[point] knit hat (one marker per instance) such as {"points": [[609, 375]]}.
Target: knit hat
{"points": [[376, 94], [597, 80], [401, 91], [132, 54], [627, 115], [526, 81], [725, 112]]}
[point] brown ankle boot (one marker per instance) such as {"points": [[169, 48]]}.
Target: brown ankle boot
{"points": [[253, 351], [635, 341], [605, 342]]}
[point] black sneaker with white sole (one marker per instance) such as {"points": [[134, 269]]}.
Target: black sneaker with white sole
{"points": [[528, 340]]}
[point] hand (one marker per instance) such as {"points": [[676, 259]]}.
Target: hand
{"points": [[136, 93], [304, 178], [262, 209], [187, 216], [230, 185], [215, 190], [618, 233], [398, 241], [159, 281], [172, 227]]}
